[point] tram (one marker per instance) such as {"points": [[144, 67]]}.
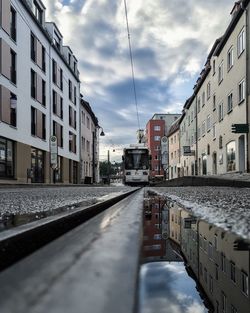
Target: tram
{"points": [[136, 165]]}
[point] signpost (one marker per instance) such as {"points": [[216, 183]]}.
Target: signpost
{"points": [[187, 151], [240, 128], [53, 154]]}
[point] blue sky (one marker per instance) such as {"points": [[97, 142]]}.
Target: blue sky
{"points": [[170, 41]]}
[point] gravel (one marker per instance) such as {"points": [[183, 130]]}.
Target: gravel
{"points": [[228, 208], [36, 200]]}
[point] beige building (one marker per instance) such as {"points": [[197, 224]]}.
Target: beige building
{"points": [[174, 150], [174, 223], [220, 99]]}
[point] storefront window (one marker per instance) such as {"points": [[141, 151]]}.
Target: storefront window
{"points": [[231, 164], [37, 165], [6, 158]]}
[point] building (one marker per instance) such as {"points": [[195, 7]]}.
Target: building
{"points": [[89, 145], [174, 150], [209, 144], [40, 96], [156, 128]]}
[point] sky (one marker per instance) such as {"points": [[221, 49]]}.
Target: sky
{"points": [[170, 42]]}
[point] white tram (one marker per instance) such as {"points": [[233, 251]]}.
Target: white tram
{"points": [[136, 165]]}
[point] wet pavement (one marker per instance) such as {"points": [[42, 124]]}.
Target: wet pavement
{"points": [[23, 205], [190, 265]]}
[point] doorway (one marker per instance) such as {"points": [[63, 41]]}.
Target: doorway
{"points": [[37, 165], [242, 153], [215, 163]]}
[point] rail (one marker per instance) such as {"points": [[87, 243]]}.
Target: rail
{"points": [[91, 269]]}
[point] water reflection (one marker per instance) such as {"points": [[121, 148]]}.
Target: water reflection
{"points": [[217, 261], [167, 288]]}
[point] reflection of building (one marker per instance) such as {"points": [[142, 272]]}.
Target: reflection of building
{"points": [[39, 96], [156, 245], [220, 260], [89, 145], [156, 128], [223, 271], [174, 223]]}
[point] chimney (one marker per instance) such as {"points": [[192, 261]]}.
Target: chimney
{"points": [[236, 8]]}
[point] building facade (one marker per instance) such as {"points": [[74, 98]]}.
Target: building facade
{"points": [[209, 145], [89, 145], [174, 150], [40, 97]]}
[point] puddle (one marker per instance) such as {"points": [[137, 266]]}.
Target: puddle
{"points": [[188, 265]]}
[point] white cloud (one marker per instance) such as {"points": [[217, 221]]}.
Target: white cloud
{"points": [[170, 40]]}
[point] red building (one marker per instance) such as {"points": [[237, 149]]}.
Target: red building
{"points": [[156, 128]]}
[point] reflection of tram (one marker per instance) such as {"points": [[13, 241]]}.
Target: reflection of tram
{"points": [[136, 165]]}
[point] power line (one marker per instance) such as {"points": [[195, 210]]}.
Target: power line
{"points": [[132, 64]]}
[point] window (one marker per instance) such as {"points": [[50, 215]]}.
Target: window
{"points": [[33, 47], [199, 104], [58, 132], [13, 23], [203, 98], [232, 271], [214, 131], [70, 89], [72, 142], [13, 66], [241, 91], [205, 274], [220, 142], [38, 123], [213, 67], [223, 302], [88, 123], [157, 128], [210, 246], [214, 102], [43, 93], [43, 59], [6, 158], [74, 95], [231, 162], [33, 84], [241, 42], [38, 12], [208, 90], [57, 41], [216, 271], [220, 112], [223, 262], [157, 138], [230, 58], [220, 73], [54, 71], [209, 122], [233, 309], [61, 79], [211, 287], [244, 285], [230, 102], [203, 128]]}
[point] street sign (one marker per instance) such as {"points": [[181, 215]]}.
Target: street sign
{"points": [[240, 128], [188, 222], [53, 152], [187, 151]]}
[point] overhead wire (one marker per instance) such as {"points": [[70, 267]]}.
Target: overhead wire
{"points": [[132, 64]]}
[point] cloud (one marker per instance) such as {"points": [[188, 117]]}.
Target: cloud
{"points": [[170, 42]]}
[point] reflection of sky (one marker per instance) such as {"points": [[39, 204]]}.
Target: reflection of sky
{"points": [[167, 288]]}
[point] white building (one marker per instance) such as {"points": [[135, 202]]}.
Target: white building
{"points": [[41, 74], [89, 145]]}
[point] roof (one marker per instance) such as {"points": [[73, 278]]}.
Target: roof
{"points": [[174, 127], [88, 108]]}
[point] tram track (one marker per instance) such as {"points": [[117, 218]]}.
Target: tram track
{"points": [[21, 241]]}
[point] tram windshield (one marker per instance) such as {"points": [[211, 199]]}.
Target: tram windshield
{"points": [[136, 159]]}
